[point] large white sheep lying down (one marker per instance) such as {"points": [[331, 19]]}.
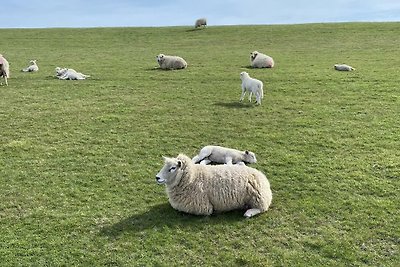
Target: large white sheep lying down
{"points": [[4, 69], [171, 62], [32, 67], [69, 74], [224, 155], [200, 22], [253, 86], [260, 60], [206, 189], [343, 67]]}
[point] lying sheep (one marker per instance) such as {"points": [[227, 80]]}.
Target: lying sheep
{"points": [[224, 155], [32, 67], [171, 62], [4, 69], [343, 67], [69, 74], [205, 189], [200, 22], [254, 86], [260, 60]]}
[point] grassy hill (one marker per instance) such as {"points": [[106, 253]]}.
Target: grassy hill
{"points": [[78, 158]]}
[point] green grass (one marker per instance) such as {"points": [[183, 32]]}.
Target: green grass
{"points": [[78, 158]]}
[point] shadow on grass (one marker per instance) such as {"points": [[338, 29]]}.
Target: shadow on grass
{"points": [[195, 29], [235, 104], [163, 215]]}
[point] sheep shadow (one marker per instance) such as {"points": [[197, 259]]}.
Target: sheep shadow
{"points": [[235, 105], [195, 29], [163, 215]]}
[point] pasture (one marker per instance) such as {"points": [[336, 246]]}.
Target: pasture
{"points": [[78, 158]]}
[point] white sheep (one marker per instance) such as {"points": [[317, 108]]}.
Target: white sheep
{"points": [[224, 155], [4, 69], [69, 74], [252, 85], [200, 22], [205, 189], [32, 67], [343, 67], [171, 62], [260, 60]]}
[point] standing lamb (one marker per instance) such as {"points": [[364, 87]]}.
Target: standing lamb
{"points": [[205, 189], [253, 86], [260, 60], [171, 62], [4, 69], [224, 155], [200, 22], [343, 67], [32, 67]]}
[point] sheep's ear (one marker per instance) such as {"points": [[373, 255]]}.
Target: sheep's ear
{"points": [[179, 163], [246, 152]]}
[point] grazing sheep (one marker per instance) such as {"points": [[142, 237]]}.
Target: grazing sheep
{"points": [[205, 189], [4, 69], [200, 22], [171, 62], [260, 60], [69, 74], [32, 67], [224, 155], [343, 67], [253, 86]]}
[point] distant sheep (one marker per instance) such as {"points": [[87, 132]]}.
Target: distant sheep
{"points": [[343, 67], [260, 60], [69, 74], [224, 155], [171, 62], [4, 69], [32, 67], [206, 189], [200, 22], [252, 85]]}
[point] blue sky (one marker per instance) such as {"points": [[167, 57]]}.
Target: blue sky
{"points": [[116, 13]]}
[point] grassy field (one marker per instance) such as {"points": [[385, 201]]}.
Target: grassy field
{"points": [[78, 158]]}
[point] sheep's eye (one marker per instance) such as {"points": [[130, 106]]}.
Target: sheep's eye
{"points": [[172, 169]]}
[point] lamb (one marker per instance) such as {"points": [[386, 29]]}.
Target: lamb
{"points": [[69, 74], [206, 189], [343, 67], [32, 67], [253, 86], [260, 60], [224, 155], [171, 62], [200, 22], [4, 69]]}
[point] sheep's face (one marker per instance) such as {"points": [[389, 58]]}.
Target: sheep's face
{"points": [[32, 62], [171, 172], [243, 74], [249, 157], [253, 55], [60, 71], [160, 58]]}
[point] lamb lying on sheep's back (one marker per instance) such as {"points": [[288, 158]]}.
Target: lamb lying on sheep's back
{"points": [[224, 155], [171, 62], [206, 189], [260, 60]]}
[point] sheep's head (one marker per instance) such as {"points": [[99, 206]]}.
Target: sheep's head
{"points": [[32, 62], [243, 74], [160, 58], [249, 157], [171, 172], [60, 71], [253, 55]]}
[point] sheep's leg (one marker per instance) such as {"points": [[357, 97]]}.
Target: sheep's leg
{"points": [[251, 212], [205, 162], [5, 78], [251, 93], [228, 160], [242, 96]]}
